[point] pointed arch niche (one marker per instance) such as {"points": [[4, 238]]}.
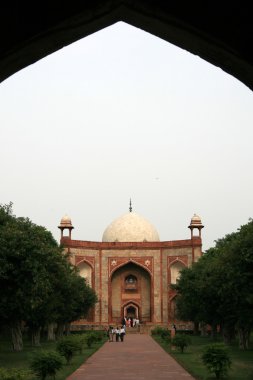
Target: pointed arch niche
{"points": [[175, 269], [85, 271], [130, 285]]}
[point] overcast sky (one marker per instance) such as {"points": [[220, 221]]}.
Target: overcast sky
{"points": [[124, 114]]}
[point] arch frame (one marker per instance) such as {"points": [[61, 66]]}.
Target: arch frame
{"points": [[170, 264], [132, 303], [110, 320], [128, 260], [84, 260], [209, 32], [89, 261], [177, 260]]}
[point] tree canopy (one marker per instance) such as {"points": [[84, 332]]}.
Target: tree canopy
{"points": [[38, 285], [218, 289]]}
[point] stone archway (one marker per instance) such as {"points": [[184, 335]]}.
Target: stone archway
{"points": [[209, 32], [131, 310], [130, 292]]}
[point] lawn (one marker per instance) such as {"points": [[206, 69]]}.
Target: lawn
{"points": [[242, 361], [21, 360]]}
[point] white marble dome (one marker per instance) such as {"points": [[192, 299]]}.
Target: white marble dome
{"points": [[130, 227]]}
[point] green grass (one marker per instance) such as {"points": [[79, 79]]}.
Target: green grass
{"points": [[242, 361], [10, 359]]}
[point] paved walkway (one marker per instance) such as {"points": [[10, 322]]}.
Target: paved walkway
{"points": [[138, 357]]}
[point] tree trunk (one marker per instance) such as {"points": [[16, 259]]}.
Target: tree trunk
{"points": [[214, 331], [36, 336], [67, 328], [196, 328], [51, 332], [202, 327], [243, 335], [59, 330], [16, 336], [228, 333]]}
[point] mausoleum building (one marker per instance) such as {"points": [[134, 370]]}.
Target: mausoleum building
{"points": [[131, 269]]}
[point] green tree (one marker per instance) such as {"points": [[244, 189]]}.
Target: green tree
{"points": [[24, 278], [237, 260], [38, 285], [197, 292], [218, 289], [42, 313], [74, 300]]}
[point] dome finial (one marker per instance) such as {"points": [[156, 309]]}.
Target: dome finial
{"points": [[130, 206]]}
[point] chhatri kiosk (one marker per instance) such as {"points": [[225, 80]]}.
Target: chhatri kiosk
{"points": [[131, 269]]}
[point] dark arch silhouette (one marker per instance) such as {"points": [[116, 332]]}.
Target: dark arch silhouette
{"points": [[220, 34]]}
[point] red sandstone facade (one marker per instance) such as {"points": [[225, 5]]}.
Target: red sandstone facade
{"points": [[133, 278]]}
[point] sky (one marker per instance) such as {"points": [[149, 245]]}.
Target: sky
{"points": [[123, 114]]}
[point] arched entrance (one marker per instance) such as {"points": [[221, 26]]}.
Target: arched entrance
{"points": [[130, 294], [131, 311]]}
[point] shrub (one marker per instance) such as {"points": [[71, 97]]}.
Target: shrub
{"points": [[164, 333], [14, 374], [88, 338], [181, 341], [216, 359], [156, 330], [186, 332], [46, 363], [79, 341], [78, 332], [99, 335], [91, 338], [68, 346]]}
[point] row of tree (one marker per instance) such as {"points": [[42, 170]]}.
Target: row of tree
{"points": [[39, 288], [218, 289]]}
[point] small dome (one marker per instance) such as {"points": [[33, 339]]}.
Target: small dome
{"points": [[130, 227], [196, 221], [65, 222]]}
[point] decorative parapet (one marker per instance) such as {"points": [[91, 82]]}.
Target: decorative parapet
{"points": [[69, 243]]}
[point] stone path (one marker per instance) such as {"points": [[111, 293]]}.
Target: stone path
{"points": [[138, 357]]}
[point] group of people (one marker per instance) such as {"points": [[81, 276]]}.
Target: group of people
{"points": [[131, 322], [116, 333]]}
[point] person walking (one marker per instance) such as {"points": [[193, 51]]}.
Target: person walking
{"points": [[114, 329], [122, 333], [123, 322], [110, 334], [117, 333]]}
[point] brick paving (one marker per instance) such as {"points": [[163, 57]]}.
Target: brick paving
{"points": [[138, 357]]}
